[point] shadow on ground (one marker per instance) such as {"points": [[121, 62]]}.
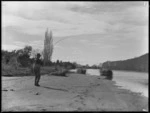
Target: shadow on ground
{"points": [[54, 88]]}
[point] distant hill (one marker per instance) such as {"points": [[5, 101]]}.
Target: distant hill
{"points": [[134, 64]]}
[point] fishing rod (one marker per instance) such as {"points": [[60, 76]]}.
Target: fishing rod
{"points": [[62, 40]]}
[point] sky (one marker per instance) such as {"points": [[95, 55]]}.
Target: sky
{"points": [[93, 32]]}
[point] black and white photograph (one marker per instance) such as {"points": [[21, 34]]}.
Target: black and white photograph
{"points": [[74, 56]]}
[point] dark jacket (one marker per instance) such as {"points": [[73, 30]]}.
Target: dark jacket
{"points": [[38, 61]]}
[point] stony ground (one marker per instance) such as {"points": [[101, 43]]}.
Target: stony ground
{"points": [[75, 92]]}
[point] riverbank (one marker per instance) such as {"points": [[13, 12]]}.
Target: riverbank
{"points": [[76, 92], [12, 71]]}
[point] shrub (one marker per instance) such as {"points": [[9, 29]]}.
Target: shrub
{"points": [[10, 70], [81, 71], [107, 73]]}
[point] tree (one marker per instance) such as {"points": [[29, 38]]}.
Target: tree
{"points": [[23, 56], [34, 52], [27, 50], [57, 61], [48, 47], [5, 56], [87, 66]]}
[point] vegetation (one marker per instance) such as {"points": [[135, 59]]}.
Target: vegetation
{"points": [[134, 64], [106, 72], [48, 47], [19, 62], [81, 71]]}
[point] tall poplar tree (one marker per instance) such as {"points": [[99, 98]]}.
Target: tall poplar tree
{"points": [[48, 46]]}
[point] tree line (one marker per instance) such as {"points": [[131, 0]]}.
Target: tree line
{"points": [[24, 59], [134, 64]]}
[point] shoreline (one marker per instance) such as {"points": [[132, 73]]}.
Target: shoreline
{"points": [[128, 89], [76, 92]]}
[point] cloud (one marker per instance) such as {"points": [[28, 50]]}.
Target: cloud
{"points": [[11, 34], [50, 15], [39, 15], [10, 47], [34, 17], [99, 43], [60, 29], [93, 25], [76, 51], [38, 44], [132, 15], [98, 7], [83, 41], [19, 43], [58, 47], [39, 10]]}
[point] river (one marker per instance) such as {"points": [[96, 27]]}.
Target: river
{"points": [[133, 81]]}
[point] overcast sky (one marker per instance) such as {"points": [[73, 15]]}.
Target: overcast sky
{"points": [[95, 31]]}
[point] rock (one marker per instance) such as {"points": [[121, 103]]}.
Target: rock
{"points": [[37, 94], [81, 71], [107, 73], [4, 90], [12, 90]]}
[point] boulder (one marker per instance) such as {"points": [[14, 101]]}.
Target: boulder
{"points": [[81, 71], [107, 72]]}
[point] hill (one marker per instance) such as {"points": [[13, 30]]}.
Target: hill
{"points": [[134, 64]]}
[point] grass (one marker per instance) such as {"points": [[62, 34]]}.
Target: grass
{"points": [[11, 70], [47, 69]]}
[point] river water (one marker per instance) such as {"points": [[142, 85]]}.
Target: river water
{"points": [[133, 81]]}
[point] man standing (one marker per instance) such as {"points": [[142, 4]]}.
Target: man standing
{"points": [[36, 69]]}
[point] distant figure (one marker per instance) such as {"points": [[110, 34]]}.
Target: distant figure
{"points": [[36, 69]]}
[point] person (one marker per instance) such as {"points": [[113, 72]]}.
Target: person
{"points": [[36, 69]]}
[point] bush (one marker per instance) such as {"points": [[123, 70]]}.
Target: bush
{"points": [[24, 60], [81, 71], [107, 73], [47, 69], [60, 73], [10, 70]]}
